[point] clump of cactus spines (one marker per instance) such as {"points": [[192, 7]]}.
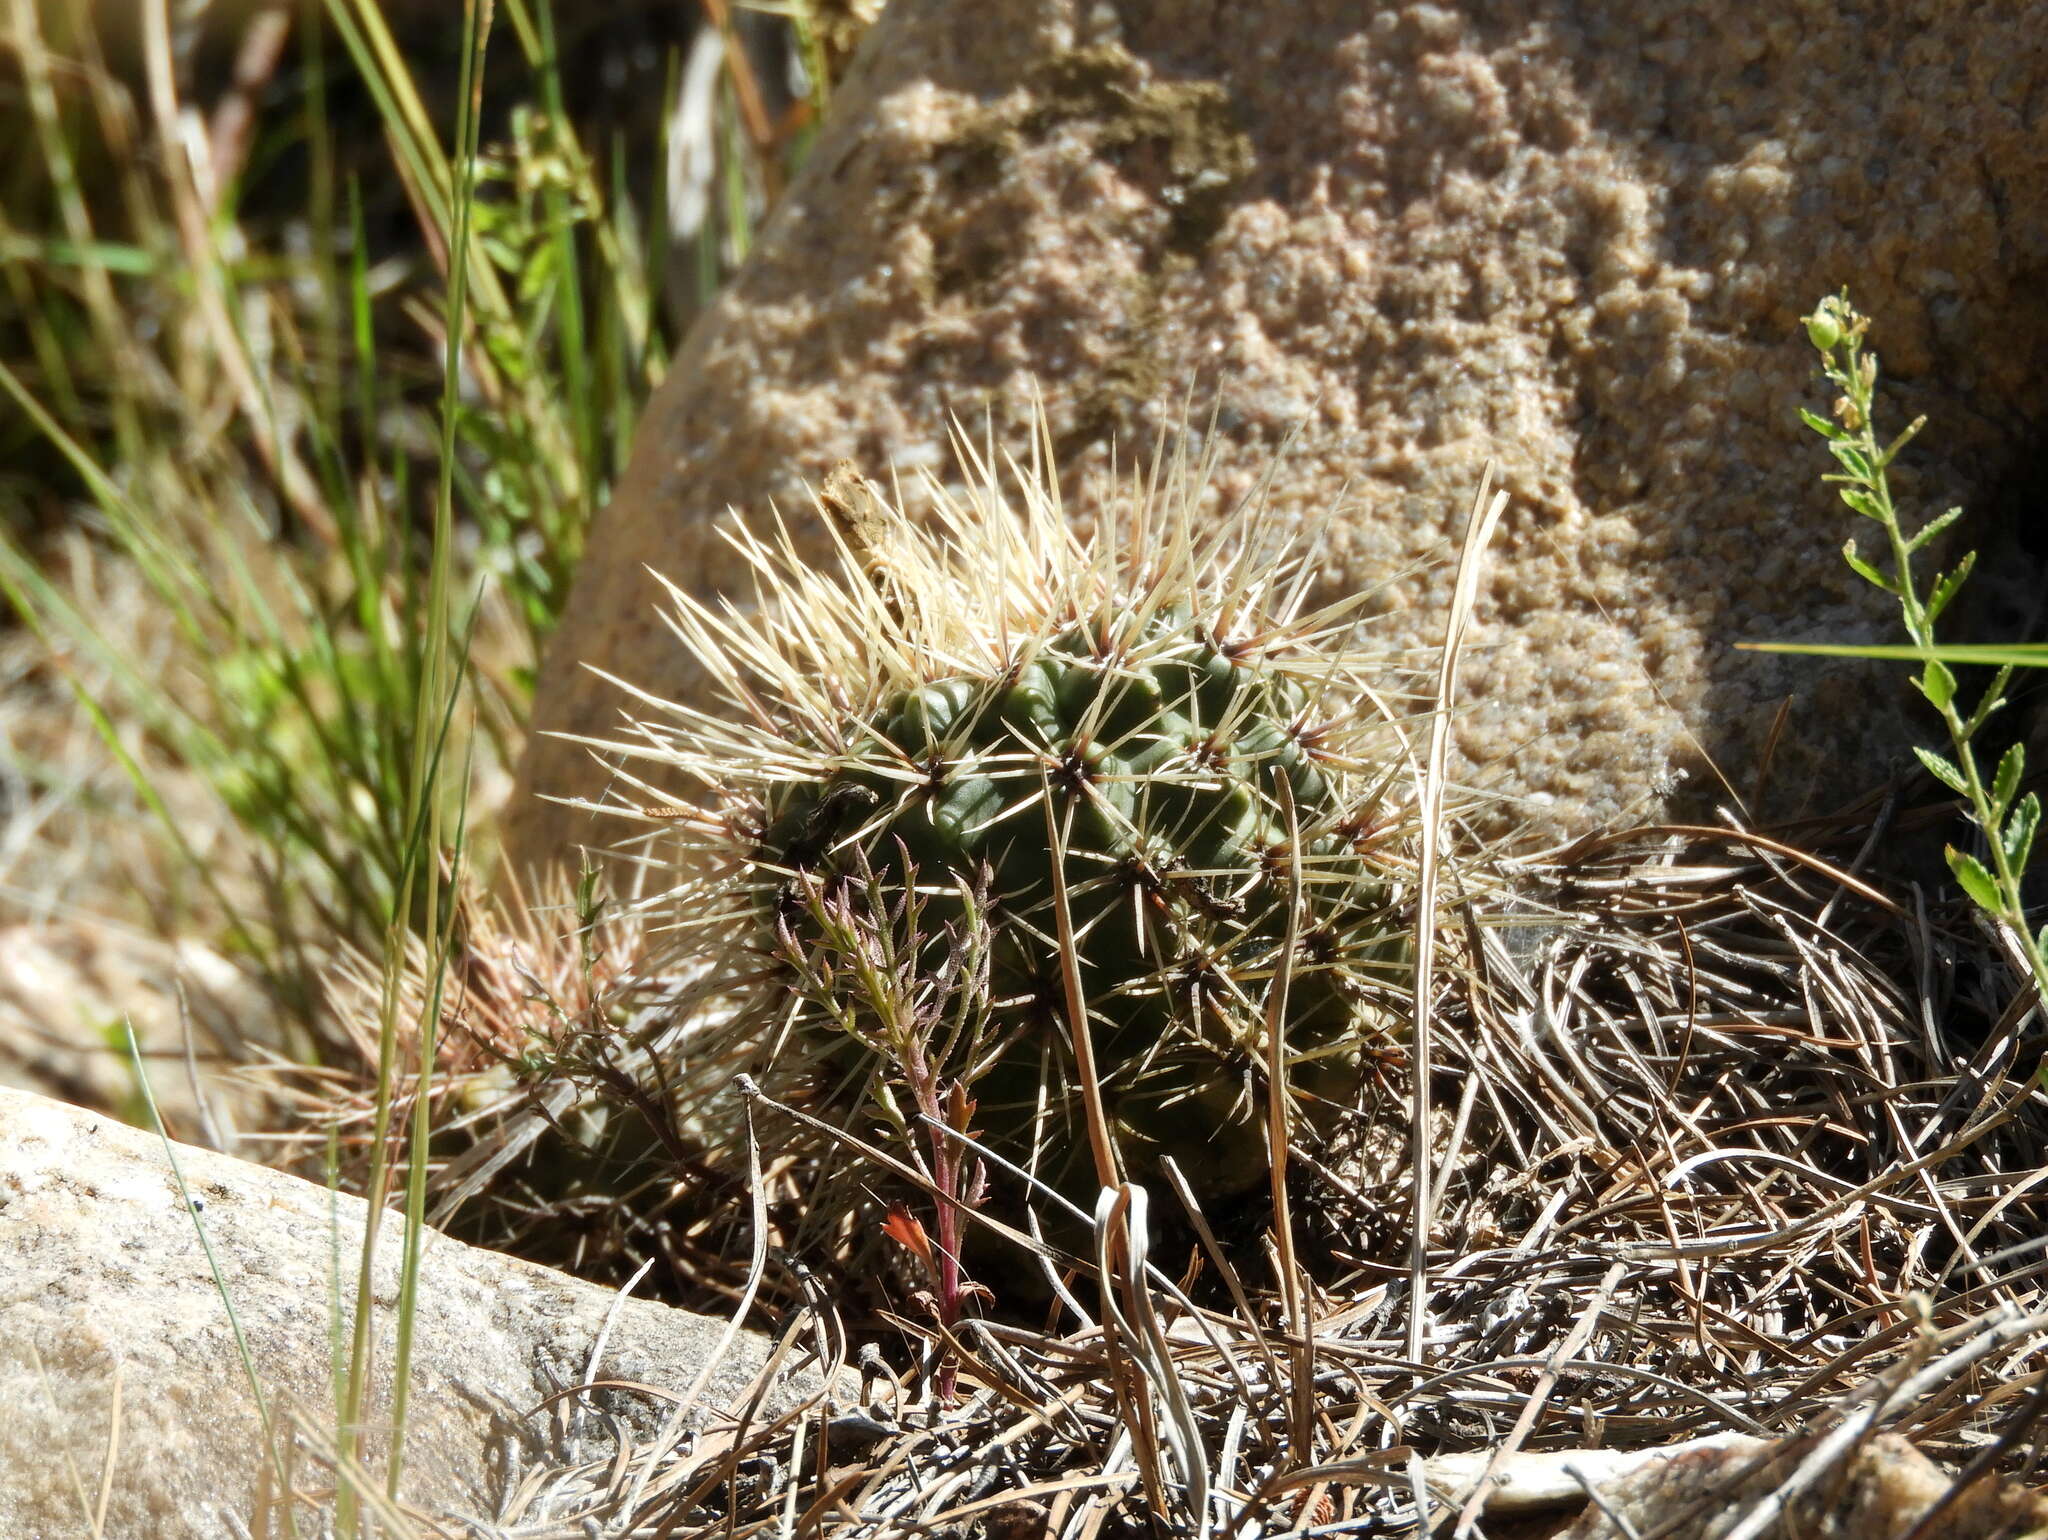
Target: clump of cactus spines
{"points": [[993, 784]]}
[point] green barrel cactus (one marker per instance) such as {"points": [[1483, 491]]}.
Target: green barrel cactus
{"points": [[988, 770], [1161, 759]]}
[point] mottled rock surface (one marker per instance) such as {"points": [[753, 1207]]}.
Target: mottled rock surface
{"points": [[1705, 1488], [115, 1346], [1575, 237], [68, 992], [1879, 1490]]}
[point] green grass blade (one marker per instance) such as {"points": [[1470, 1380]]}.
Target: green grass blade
{"points": [[220, 1283], [1989, 654]]}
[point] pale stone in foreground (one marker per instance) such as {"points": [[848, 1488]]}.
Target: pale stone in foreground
{"points": [[1879, 1491], [106, 1299], [68, 988]]}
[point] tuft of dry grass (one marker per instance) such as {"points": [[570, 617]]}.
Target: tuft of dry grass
{"points": [[1734, 1144], [228, 258], [1724, 1137]]}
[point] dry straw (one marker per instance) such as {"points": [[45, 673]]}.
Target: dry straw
{"points": [[1719, 1137]]}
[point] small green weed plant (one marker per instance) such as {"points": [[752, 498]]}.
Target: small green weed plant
{"points": [[2008, 817]]}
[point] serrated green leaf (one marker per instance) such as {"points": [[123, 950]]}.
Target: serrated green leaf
{"points": [[1853, 459], [1864, 570], [2007, 781], [1942, 770], [1992, 700], [1976, 880], [1933, 528], [1862, 502], [2018, 835], [1821, 425], [1937, 683], [1947, 585]]}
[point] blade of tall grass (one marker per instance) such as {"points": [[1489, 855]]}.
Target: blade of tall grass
{"points": [[1985, 654], [186, 151], [54, 147], [271, 1452], [537, 36], [438, 693]]}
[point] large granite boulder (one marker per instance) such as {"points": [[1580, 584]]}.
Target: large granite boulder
{"points": [[124, 1386], [1574, 236]]}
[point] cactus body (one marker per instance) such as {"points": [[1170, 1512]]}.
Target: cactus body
{"points": [[985, 734], [1161, 760]]}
